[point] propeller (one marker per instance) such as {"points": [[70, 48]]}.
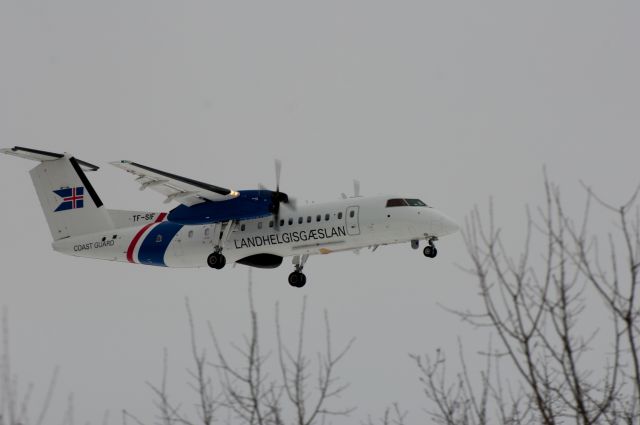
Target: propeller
{"points": [[356, 190], [278, 165], [278, 197]]}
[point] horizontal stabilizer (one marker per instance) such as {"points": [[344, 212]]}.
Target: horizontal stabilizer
{"points": [[38, 155]]}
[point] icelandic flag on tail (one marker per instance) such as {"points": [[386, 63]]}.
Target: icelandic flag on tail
{"points": [[72, 198]]}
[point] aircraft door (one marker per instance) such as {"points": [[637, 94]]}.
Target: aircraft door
{"points": [[353, 224]]}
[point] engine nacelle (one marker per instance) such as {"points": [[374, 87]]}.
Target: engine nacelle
{"points": [[261, 261]]}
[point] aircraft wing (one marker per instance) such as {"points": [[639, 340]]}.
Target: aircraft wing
{"points": [[181, 189]]}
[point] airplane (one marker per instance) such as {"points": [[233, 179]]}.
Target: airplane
{"points": [[213, 225]]}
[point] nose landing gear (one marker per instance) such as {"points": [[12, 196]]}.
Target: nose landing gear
{"points": [[430, 250]]}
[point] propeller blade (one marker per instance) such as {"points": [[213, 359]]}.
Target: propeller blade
{"points": [[292, 203], [276, 215], [279, 197], [278, 165]]}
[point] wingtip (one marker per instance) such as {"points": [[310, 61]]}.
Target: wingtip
{"points": [[10, 151]]}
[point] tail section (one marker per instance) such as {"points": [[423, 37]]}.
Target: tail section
{"points": [[70, 204]]}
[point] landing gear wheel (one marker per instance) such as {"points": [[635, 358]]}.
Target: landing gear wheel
{"points": [[216, 260], [430, 251], [297, 279]]}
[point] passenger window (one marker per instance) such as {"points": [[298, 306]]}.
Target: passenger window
{"points": [[190, 234], [318, 217], [352, 213], [259, 225], [270, 223], [282, 222], [290, 221], [206, 231], [308, 219], [340, 216], [158, 238], [326, 217], [242, 227], [300, 219]]}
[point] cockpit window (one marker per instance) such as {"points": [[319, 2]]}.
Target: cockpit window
{"points": [[416, 203], [396, 203]]}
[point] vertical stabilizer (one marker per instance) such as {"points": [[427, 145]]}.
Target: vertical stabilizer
{"points": [[70, 204]]}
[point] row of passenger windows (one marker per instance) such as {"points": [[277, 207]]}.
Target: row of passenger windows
{"points": [[289, 221], [300, 220]]}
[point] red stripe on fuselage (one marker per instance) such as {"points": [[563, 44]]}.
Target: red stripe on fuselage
{"points": [[138, 235]]}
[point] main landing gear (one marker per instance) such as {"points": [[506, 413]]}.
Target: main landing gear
{"points": [[297, 279], [430, 250], [216, 260]]}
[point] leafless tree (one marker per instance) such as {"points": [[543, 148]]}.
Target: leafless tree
{"points": [[393, 415], [295, 369], [254, 388], [463, 401], [15, 409], [256, 397], [538, 308], [200, 383], [249, 393]]}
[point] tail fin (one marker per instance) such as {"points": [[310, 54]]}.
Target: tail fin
{"points": [[70, 204]]}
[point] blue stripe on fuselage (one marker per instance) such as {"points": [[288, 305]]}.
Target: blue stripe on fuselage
{"points": [[155, 244]]}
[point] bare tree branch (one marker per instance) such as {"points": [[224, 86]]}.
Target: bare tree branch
{"points": [[535, 308]]}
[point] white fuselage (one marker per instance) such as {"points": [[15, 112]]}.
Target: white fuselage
{"points": [[348, 224]]}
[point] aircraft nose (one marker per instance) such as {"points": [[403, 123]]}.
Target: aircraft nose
{"points": [[447, 225]]}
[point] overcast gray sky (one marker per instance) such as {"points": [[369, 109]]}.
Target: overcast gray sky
{"points": [[450, 101]]}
